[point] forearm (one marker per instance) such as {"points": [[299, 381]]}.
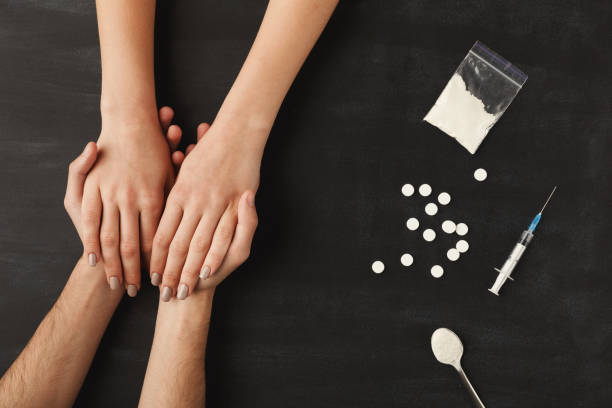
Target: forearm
{"points": [[52, 366], [175, 373], [287, 34], [126, 30]]}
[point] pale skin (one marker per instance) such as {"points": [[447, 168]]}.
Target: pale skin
{"points": [[125, 193], [200, 216], [50, 370]]}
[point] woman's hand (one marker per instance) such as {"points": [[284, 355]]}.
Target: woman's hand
{"points": [[202, 210], [81, 167], [123, 197]]}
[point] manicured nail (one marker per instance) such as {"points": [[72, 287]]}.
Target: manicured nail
{"points": [[132, 290], [251, 199], [92, 259], [166, 294], [155, 279], [205, 272], [114, 282], [182, 291]]}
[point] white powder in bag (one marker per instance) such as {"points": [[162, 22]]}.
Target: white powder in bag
{"points": [[461, 115]]}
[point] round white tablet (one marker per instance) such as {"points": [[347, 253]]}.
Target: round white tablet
{"points": [[406, 259], [431, 209], [449, 227], [429, 235], [462, 246], [452, 254], [412, 224], [444, 198], [437, 271], [407, 190], [378, 267], [425, 190], [462, 229], [480, 174]]}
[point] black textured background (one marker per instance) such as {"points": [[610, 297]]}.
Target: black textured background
{"points": [[305, 323]]}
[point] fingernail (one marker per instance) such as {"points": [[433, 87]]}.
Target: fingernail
{"points": [[92, 259], [251, 199], [166, 294], [155, 279], [205, 272], [114, 282], [132, 290], [182, 292]]}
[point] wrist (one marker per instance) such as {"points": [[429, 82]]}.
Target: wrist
{"points": [[127, 112]]}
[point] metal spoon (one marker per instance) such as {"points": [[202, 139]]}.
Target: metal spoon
{"points": [[448, 349]]}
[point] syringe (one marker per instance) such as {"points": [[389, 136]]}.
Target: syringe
{"points": [[517, 252]]}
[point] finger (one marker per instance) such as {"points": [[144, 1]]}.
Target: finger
{"points": [[166, 114], [109, 239], [220, 242], [149, 220], [177, 254], [189, 148], [170, 220], [177, 158], [240, 248], [91, 211], [77, 172], [200, 243], [202, 129], [129, 248], [174, 135]]}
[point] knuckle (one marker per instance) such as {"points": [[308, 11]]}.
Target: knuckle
{"points": [[108, 239], [129, 248], [177, 250], [161, 240], [243, 255], [200, 242]]}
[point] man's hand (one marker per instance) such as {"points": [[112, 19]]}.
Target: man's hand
{"points": [[201, 212], [123, 196]]}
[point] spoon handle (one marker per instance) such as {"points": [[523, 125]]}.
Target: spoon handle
{"points": [[471, 389]]}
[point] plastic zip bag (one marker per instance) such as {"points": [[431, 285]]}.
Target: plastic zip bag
{"points": [[477, 95]]}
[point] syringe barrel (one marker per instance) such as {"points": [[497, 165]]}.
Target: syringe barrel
{"points": [[525, 238]]}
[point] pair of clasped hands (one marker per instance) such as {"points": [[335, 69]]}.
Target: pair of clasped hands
{"points": [[144, 205]]}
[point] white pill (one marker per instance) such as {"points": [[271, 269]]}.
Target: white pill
{"points": [[407, 190], [449, 227], [406, 259], [425, 190], [412, 224], [462, 246], [429, 235], [462, 229], [437, 271], [444, 198], [452, 254], [431, 209], [480, 174], [378, 267]]}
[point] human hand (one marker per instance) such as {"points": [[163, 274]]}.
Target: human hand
{"points": [[81, 166], [123, 197], [202, 209]]}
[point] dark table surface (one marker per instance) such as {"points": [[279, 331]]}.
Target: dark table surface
{"points": [[305, 322]]}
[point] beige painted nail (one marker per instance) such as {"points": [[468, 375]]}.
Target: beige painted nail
{"points": [[182, 291], [132, 290], [114, 282], [205, 272], [155, 279], [92, 259], [166, 294]]}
